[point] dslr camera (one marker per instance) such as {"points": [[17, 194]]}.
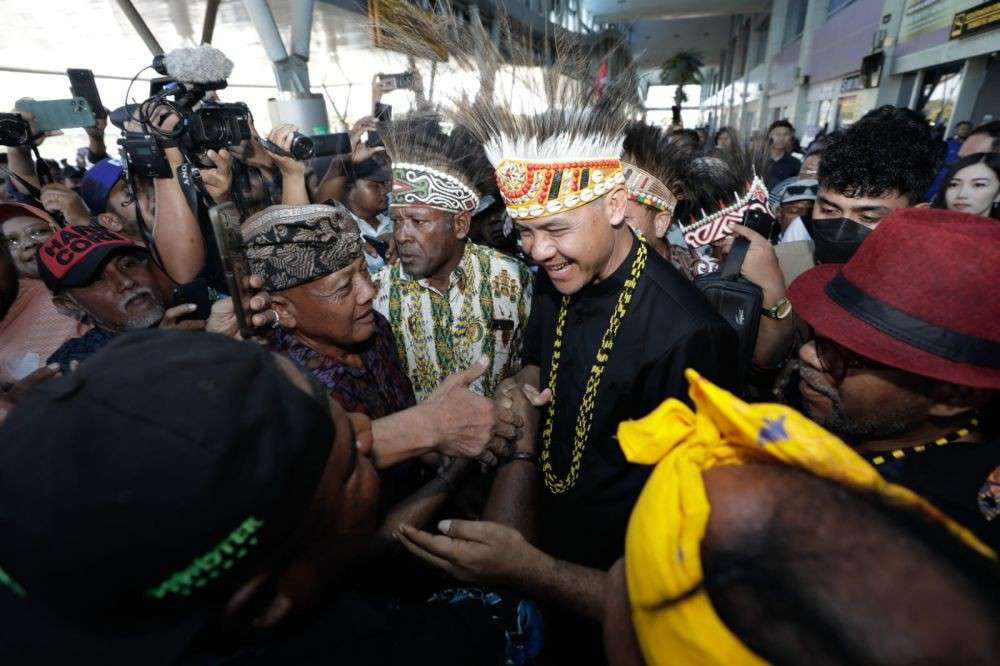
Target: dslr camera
{"points": [[14, 130]]}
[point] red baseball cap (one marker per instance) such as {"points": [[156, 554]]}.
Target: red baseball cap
{"points": [[919, 295], [74, 255], [10, 209]]}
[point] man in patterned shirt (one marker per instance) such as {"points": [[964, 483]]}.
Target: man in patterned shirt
{"points": [[449, 300]]}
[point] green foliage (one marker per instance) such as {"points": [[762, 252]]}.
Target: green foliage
{"points": [[682, 69]]}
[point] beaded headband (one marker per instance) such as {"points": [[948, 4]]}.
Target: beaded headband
{"points": [[421, 185], [647, 189], [719, 224], [537, 188]]}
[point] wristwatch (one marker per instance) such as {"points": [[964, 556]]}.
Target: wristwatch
{"points": [[781, 309]]}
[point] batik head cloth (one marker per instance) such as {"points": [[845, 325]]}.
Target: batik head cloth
{"points": [[421, 185], [292, 245], [673, 615]]}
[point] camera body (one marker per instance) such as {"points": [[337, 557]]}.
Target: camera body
{"points": [[14, 130], [145, 156], [216, 125]]}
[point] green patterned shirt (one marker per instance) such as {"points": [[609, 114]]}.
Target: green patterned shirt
{"points": [[483, 313]]}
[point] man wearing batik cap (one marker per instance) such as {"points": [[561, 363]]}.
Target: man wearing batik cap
{"points": [[103, 278], [451, 302], [199, 499], [310, 259], [905, 362]]}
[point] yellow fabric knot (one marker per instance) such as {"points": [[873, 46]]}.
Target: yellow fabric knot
{"points": [[673, 616]]}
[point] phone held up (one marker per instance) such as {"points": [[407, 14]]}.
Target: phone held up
{"points": [[225, 219]]}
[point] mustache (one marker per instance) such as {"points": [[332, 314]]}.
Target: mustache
{"points": [[815, 380], [133, 293]]}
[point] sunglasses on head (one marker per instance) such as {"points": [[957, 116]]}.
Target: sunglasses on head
{"points": [[801, 189]]}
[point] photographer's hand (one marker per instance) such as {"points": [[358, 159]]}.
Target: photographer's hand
{"points": [[98, 149], [359, 150], [218, 181], [293, 172], [58, 197], [19, 157]]}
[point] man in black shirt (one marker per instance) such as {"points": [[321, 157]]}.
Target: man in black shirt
{"points": [[781, 165], [905, 363], [613, 327]]}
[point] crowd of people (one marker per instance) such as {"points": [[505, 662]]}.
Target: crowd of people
{"points": [[476, 400]]}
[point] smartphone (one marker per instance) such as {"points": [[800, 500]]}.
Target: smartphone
{"points": [[380, 246], [58, 113], [762, 223], [82, 84], [225, 219], [195, 292]]}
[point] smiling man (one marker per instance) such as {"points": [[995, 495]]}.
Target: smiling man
{"points": [[613, 326]]}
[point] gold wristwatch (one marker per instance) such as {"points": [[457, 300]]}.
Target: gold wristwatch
{"points": [[781, 309]]}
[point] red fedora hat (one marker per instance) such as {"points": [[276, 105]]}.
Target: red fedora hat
{"points": [[921, 294]]}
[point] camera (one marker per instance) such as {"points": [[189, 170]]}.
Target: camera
{"points": [[215, 126], [14, 130]]}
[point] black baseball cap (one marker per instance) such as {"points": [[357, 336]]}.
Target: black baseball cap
{"points": [[76, 254], [137, 491]]}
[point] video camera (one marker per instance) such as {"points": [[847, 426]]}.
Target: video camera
{"points": [[189, 74]]}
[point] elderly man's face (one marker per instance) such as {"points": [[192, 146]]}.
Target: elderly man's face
{"points": [[24, 235], [123, 298], [428, 240], [333, 310]]}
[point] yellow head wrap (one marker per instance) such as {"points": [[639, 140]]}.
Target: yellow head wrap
{"points": [[673, 615]]}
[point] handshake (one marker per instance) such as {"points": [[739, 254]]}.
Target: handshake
{"points": [[464, 424]]}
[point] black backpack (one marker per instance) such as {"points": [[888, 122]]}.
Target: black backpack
{"points": [[737, 300]]}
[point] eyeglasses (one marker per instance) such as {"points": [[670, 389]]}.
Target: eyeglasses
{"points": [[31, 235], [837, 361]]}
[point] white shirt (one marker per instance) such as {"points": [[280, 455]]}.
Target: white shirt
{"points": [[375, 263], [796, 231]]}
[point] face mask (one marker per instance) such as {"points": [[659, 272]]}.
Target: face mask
{"points": [[837, 240]]}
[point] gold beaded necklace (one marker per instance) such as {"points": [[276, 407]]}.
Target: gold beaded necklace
{"points": [[586, 413]]}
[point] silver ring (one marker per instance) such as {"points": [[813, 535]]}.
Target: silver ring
{"points": [[277, 320]]}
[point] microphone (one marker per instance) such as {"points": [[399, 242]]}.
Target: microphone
{"points": [[201, 64]]}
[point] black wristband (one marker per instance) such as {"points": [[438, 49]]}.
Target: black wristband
{"points": [[525, 456]]}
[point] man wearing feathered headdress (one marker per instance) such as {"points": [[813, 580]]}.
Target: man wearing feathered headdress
{"points": [[613, 326], [450, 301]]}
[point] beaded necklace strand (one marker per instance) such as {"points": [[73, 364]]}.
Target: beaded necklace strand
{"points": [[950, 438], [585, 415]]}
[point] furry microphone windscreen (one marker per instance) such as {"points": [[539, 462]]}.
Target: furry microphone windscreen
{"points": [[200, 64]]}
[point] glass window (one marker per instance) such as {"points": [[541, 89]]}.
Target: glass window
{"points": [[834, 5], [795, 20]]}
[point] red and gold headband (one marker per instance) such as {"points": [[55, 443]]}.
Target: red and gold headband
{"points": [[647, 189], [536, 188]]}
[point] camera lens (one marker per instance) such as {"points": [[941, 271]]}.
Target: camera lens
{"points": [[302, 146], [14, 130]]}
